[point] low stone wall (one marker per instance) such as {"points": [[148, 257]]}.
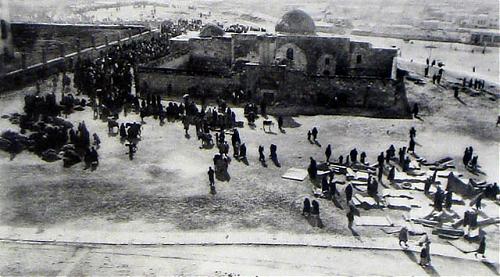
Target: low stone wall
{"points": [[385, 97], [171, 82], [31, 73]]}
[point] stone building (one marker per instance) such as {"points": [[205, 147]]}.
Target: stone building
{"points": [[295, 65]]}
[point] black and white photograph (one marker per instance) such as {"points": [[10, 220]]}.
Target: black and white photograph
{"points": [[249, 138]]}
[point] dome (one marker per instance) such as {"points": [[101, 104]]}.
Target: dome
{"points": [[296, 22], [211, 30]]}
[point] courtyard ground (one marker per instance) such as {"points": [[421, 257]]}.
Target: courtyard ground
{"points": [[165, 188]]}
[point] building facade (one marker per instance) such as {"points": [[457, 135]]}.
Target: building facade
{"points": [[294, 65]]}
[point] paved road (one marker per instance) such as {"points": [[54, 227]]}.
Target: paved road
{"points": [[50, 259]]}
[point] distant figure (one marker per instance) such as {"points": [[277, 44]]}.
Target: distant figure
{"points": [[262, 158], [425, 255], [413, 132], [473, 163], [381, 159], [280, 123], [314, 133], [309, 135], [362, 158], [478, 203], [313, 168], [353, 155], [315, 208], [97, 140], [328, 153], [307, 207], [427, 185], [211, 174], [415, 110], [403, 236], [348, 193]]}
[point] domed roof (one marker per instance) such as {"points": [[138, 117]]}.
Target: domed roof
{"points": [[211, 30], [296, 22]]}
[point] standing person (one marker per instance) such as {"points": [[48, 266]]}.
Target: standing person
{"points": [[467, 157], [315, 208], [262, 158], [328, 153], [348, 193], [309, 135], [413, 132], [381, 159], [314, 133], [211, 174], [362, 158], [307, 207], [478, 202], [97, 140], [403, 236], [415, 110], [425, 253], [354, 155], [280, 123], [473, 163], [313, 168]]}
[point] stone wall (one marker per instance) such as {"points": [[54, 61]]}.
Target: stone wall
{"points": [[315, 48], [216, 48], [246, 48], [368, 61], [293, 87], [32, 38], [386, 97], [179, 82]]}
